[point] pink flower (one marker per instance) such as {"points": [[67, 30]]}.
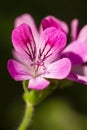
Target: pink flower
{"points": [[37, 55], [76, 51]]}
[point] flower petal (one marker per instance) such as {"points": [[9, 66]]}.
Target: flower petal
{"points": [[76, 52], [27, 18], [82, 37], [22, 58], [18, 71], [51, 21], [38, 83], [52, 42], [59, 69], [77, 78], [80, 69], [23, 40], [74, 29], [79, 73]]}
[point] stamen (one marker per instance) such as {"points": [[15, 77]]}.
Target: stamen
{"points": [[38, 68]]}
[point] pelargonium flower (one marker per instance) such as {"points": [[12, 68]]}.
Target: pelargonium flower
{"points": [[76, 51], [37, 55]]}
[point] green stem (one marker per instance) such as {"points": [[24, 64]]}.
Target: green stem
{"points": [[27, 117], [32, 98]]}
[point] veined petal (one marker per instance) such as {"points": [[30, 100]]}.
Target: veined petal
{"points": [[28, 19], [74, 29], [22, 58], [82, 37], [59, 69], [52, 42], [76, 52], [38, 83], [51, 21], [23, 40], [18, 71]]}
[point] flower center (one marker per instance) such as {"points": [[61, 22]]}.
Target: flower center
{"points": [[38, 68], [38, 58]]}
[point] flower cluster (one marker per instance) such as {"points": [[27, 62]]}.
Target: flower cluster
{"points": [[42, 54]]}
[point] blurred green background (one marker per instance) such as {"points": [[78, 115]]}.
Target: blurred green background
{"points": [[66, 108]]}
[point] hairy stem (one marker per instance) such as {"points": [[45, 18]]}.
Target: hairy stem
{"points": [[27, 117]]}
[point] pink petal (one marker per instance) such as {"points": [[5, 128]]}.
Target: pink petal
{"points": [[78, 78], [27, 18], [18, 71], [74, 29], [38, 83], [82, 37], [79, 73], [52, 42], [51, 21], [23, 40], [59, 69], [23, 58], [76, 52], [80, 69]]}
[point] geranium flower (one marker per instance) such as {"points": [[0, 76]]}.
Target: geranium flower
{"points": [[37, 55], [76, 51]]}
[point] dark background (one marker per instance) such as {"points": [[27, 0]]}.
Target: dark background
{"points": [[65, 109]]}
